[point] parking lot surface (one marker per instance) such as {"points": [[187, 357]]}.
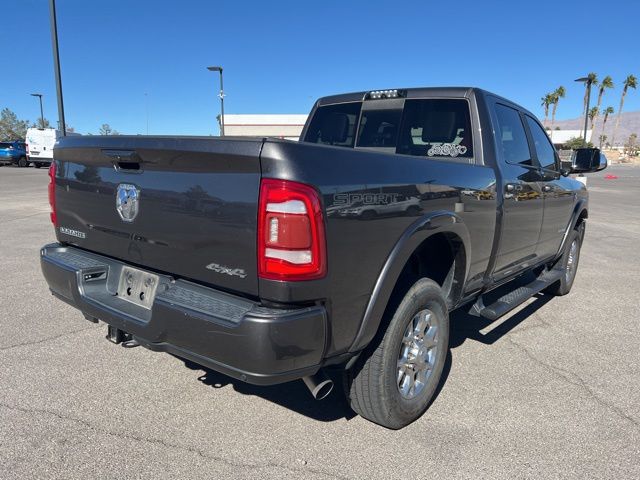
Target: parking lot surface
{"points": [[550, 391]]}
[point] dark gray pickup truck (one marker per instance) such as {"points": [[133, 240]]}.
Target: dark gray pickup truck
{"points": [[270, 260]]}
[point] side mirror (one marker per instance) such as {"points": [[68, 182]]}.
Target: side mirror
{"points": [[585, 160]]}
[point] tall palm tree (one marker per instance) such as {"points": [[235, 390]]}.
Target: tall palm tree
{"points": [[593, 113], [557, 95], [546, 102], [607, 111], [630, 81], [607, 82], [592, 82]]}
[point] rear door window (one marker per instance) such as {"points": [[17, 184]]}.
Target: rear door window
{"points": [[334, 124], [511, 137], [436, 128]]}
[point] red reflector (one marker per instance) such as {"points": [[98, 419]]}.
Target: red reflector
{"points": [[291, 240], [52, 193]]}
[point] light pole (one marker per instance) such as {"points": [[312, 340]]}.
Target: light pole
{"points": [[221, 95], [56, 65], [588, 80], [39, 95]]}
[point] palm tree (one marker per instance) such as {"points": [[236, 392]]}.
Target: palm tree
{"points": [[547, 100], [607, 82], [593, 113], [592, 81], [630, 81], [557, 95], [608, 111]]}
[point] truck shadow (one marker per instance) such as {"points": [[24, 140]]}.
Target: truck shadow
{"points": [[295, 396]]}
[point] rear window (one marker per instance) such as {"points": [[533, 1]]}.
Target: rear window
{"points": [[334, 124], [436, 128], [424, 127]]}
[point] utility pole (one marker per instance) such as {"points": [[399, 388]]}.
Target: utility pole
{"points": [[221, 95]]}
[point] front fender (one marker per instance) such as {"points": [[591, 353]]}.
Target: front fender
{"points": [[411, 239]]}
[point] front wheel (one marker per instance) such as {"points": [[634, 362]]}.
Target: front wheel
{"points": [[394, 382], [22, 162], [568, 264]]}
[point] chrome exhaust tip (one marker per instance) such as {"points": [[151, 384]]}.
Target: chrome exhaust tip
{"points": [[319, 385]]}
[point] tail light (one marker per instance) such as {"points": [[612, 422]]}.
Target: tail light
{"points": [[52, 193], [291, 240]]}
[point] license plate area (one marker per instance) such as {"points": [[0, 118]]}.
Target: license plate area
{"points": [[138, 287]]}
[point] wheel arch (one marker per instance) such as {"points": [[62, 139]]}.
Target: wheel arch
{"points": [[413, 257]]}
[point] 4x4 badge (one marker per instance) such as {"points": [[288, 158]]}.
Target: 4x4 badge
{"points": [[127, 201]]}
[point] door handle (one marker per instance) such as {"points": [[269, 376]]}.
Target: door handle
{"points": [[547, 188], [513, 187]]}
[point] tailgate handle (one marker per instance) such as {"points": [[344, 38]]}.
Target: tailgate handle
{"points": [[124, 160]]}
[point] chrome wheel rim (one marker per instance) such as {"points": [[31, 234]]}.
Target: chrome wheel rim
{"points": [[571, 261], [418, 353]]}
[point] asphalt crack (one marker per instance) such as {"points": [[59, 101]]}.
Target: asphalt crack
{"points": [[576, 380], [163, 443], [48, 339]]}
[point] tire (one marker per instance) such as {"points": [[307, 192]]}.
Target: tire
{"points": [[22, 162], [37, 164], [413, 211], [402, 352], [569, 264], [368, 215]]}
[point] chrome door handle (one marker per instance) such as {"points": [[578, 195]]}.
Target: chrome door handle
{"points": [[513, 187], [547, 188]]}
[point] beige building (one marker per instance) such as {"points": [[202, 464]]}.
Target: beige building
{"points": [[286, 126]]}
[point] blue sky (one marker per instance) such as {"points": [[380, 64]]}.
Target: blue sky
{"points": [[279, 56]]}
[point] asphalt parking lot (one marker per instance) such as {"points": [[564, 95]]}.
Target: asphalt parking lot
{"points": [[552, 391]]}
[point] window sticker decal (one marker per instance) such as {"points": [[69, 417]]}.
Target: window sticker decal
{"points": [[446, 150]]}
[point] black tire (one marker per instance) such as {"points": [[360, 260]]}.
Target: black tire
{"points": [[37, 164], [413, 211], [569, 264], [22, 162], [372, 385], [368, 215]]}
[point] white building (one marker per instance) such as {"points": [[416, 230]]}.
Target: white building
{"points": [[560, 137], [287, 126]]}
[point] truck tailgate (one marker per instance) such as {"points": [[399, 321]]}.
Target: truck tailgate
{"points": [[180, 205]]}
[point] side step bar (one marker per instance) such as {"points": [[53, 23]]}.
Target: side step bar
{"points": [[511, 300]]}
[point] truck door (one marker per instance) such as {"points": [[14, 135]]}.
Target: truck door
{"points": [[522, 207], [559, 198]]}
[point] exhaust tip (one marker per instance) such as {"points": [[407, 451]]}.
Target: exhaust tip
{"points": [[319, 385]]}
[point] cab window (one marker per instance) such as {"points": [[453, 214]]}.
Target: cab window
{"points": [[544, 149], [334, 124], [436, 128], [511, 136]]}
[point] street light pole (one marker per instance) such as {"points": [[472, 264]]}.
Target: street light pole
{"points": [[39, 95], [56, 65], [588, 81], [221, 95]]}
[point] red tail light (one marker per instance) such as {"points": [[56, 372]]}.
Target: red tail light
{"points": [[52, 193], [291, 241]]}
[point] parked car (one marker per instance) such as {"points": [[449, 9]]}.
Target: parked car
{"points": [[222, 250], [13, 153]]}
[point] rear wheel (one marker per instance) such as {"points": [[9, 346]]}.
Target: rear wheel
{"points": [[37, 164], [569, 265], [22, 162], [394, 381]]}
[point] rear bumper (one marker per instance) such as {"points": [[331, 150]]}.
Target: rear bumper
{"points": [[226, 333]]}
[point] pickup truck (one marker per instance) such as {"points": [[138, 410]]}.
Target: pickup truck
{"points": [[259, 257]]}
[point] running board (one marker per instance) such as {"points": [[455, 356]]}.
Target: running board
{"points": [[511, 300]]}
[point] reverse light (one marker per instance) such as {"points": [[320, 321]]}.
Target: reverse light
{"points": [[291, 239], [52, 193]]}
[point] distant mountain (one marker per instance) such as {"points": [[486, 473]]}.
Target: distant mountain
{"points": [[629, 123]]}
